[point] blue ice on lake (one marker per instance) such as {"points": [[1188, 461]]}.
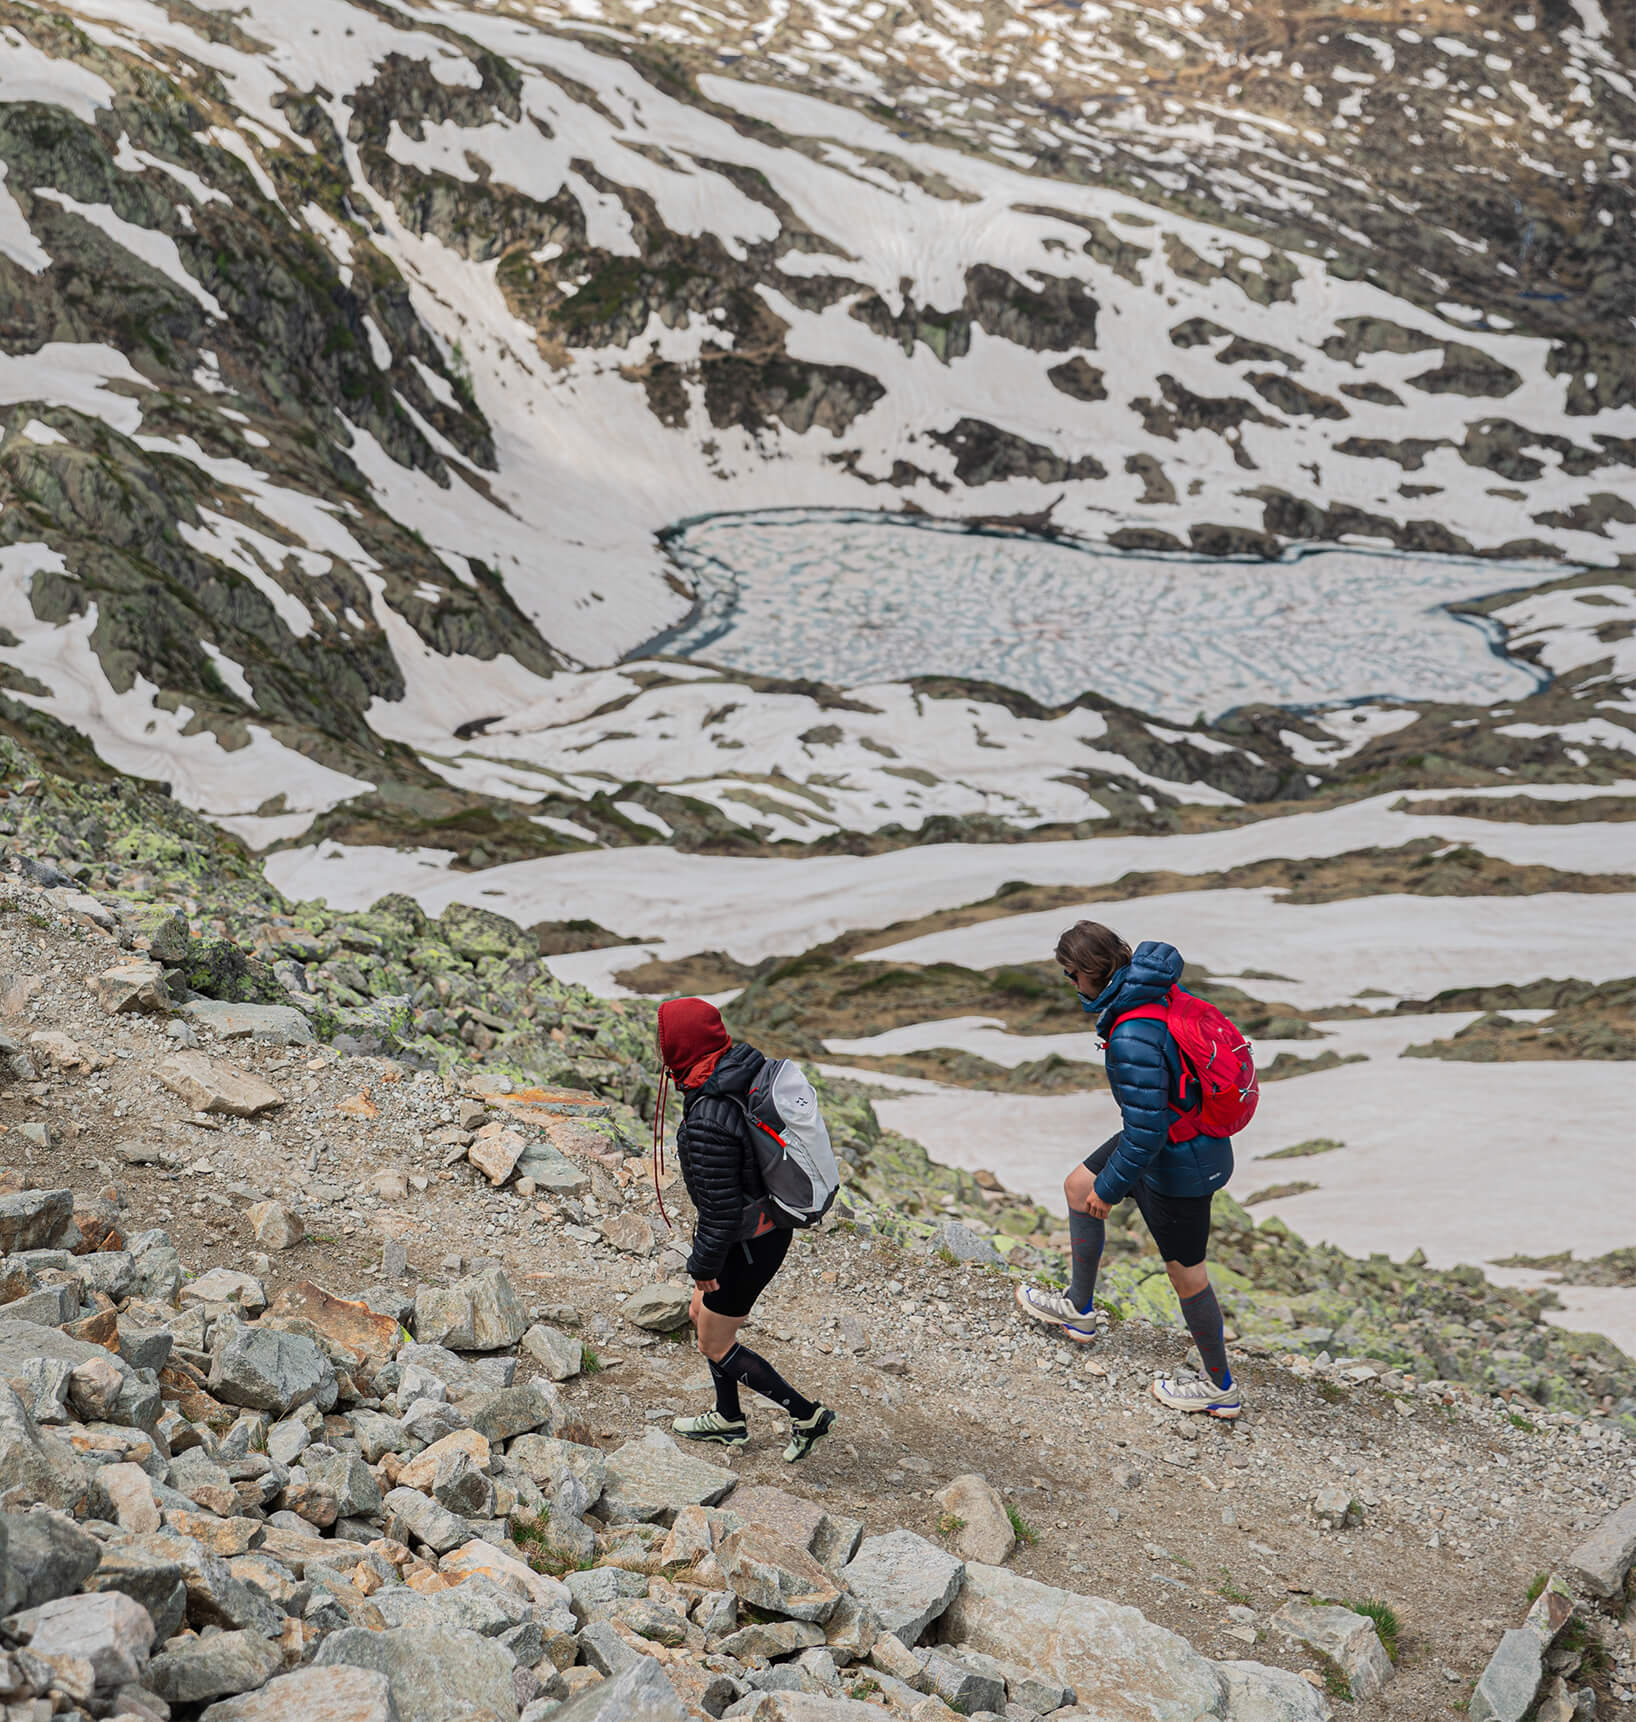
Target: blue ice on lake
{"points": [[851, 598]]}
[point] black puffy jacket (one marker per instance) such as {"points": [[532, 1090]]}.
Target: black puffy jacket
{"points": [[718, 1162]]}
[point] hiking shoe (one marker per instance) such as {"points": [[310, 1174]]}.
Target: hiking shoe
{"points": [[1198, 1393], [805, 1436], [712, 1426], [1054, 1309]]}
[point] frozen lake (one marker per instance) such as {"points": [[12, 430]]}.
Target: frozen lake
{"points": [[850, 598]]}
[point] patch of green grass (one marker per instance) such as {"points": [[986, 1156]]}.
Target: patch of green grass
{"points": [[1335, 1682], [530, 1532], [1330, 1393], [864, 1688], [1537, 1585], [1024, 1532], [589, 1362], [1304, 1150], [1518, 1421], [950, 1525], [1233, 1594], [1387, 1625]]}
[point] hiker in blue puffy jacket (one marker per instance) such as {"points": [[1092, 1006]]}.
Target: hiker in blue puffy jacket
{"points": [[1171, 1182]]}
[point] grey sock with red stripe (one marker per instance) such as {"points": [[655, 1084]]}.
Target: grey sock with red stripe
{"points": [[1203, 1316], [1087, 1237]]}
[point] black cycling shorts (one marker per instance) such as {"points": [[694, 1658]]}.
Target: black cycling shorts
{"points": [[746, 1273], [1180, 1224]]}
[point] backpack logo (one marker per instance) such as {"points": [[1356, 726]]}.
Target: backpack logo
{"points": [[791, 1143], [1221, 1098]]}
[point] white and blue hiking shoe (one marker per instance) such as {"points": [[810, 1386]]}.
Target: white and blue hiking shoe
{"points": [[1054, 1309], [1198, 1393]]}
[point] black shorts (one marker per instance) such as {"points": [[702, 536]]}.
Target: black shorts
{"points": [[1180, 1224], [747, 1272]]}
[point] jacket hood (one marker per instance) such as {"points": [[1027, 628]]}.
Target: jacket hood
{"points": [[692, 1037], [735, 1070], [1145, 979]]}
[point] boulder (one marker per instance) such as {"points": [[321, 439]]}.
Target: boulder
{"points": [[132, 986], [498, 1317], [659, 1308], [145, 1570], [425, 1520], [34, 1219], [94, 1388], [495, 1152], [772, 1575], [908, 1582], [546, 1460], [444, 1316], [422, 1469], [1508, 1687], [462, 1486], [36, 1467], [209, 1086], [284, 1024], [640, 1693], [627, 1232], [1349, 1640], [436, 1673], [1118, 1662], [215, 1667], [131, 1490], [516, 1410], [480, 1558], [553, 1173], [964, 1683], [351, 1323], [313, 1695], [274, 1226], [347, 1478], [1257, 1693], [806, 1707], [558, 1354], [106, 1628], [985, 1532], [964, 1244], [226, 1285], [1600, 1562], [274, 1372], [771, 1638], [651, 1478]]}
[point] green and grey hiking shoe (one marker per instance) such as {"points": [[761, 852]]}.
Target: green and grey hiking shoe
{"points": [[805, 1436], [1198, 1393], [712, 1426], [1054, 1309]]}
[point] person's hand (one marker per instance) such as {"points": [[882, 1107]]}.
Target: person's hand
{"points": [[1096, 1207], [703, 1286]]}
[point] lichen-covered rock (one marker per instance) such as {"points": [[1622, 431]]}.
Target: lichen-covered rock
{"points": [[436, 1674], [274, 1372]]}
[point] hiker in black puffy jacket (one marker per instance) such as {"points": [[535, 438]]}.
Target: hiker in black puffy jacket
{"points": [[737, 1246], [1171, 1182]]}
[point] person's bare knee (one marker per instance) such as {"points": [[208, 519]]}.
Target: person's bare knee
{"points": [[717, 1334], [1079, 1186], [1189, 1282]]}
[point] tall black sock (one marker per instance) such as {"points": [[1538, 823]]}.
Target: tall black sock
{"points": [[726, 1392], [1203, 1315], [759, 1376], [1088, 1236]]}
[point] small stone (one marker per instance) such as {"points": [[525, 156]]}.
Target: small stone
{"points": [[557, 1353], [211, 1087], [392, 1184], [1335, 1509], [274, 1226], [226, 1285], [1126, 1475], [1599, 1564], [495, 1152], [627, 1232], [769, 1574], [1349, 1640], [132, 986], [272, 1372], [394, 1260], [659, 1308], [986, 1533], [964, 1244], [94, 1388]]}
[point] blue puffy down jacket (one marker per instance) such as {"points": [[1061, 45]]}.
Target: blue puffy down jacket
{"points": [[1144, 1072]]}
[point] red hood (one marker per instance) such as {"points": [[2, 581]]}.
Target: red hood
{"points": [[692, 1037]]}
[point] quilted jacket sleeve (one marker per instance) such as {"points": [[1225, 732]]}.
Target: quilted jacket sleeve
{"points": [[1140, 1076], [712, 1156]]}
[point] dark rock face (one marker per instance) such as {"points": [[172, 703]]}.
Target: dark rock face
{"points": [[984, 453]]}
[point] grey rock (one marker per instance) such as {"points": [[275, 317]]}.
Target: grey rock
{"points": [[273, 1372], [227, 1285], [651, 1478], [1257, 1693], [379, 1435], [601, 1648], [601, 1585], [547, 1460], [1116, 1659], [1600, 1562], [986, 1532], [436, 1673], [964, 1244], [771, 1638], [639, 1693], [498, 1317], [145, 1347], [479, 1605], [215, 1667], [462, 1486], [348, 1479], [106, 1628], [659, 1308], [559, 1354], [1334, 1508], [45, 1381], [461, 1376], [313, 1695], [516, 1411], [108, 1271], [1508, 1687], [552, 1171], [1349, 1640], [47, 1556], [769, 1574], [427, 1521], [48, 1305], [158, 1267], [963, 1686], [214, 1596], [146, 1571], [282, 1024], [445, 1316], [426, 1421], [34, 1219], [908, 1581]]}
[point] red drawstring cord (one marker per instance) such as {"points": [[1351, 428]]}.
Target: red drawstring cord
{"points": [[659, 1143]]}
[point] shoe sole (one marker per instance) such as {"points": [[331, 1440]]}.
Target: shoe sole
{"points": [[1039, 1315], [1222, 1413], [812, 1438]]}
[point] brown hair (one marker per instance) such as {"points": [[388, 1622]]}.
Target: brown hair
{"points": [[1094, 951]]}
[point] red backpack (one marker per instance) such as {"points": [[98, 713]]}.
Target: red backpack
{"points": [[1217, 1058]]}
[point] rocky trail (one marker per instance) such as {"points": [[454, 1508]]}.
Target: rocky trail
{"points": [[253, 1282]]}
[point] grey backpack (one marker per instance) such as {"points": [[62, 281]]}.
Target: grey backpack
{"points": [[792, 1144]]}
